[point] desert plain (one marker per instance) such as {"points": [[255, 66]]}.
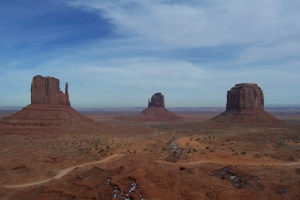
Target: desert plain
{"points": [[194, 158]]}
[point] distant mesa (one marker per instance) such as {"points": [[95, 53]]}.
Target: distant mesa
{"points": [[156, 110], [157, 100], [245, 104], [49, 108]]}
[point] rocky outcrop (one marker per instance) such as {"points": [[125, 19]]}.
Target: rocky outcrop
{"points": [[157, 100], [46, 90], [245, 96], [156, 110], [50, 108], [245, 105]]}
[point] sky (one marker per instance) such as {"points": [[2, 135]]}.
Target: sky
{"points": [[117, 53]]}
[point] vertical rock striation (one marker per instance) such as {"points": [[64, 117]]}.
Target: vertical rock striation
{"points": [[157, 100], [156, 110], [49, 108], [46, 90], [245, 96], [245, 105]]}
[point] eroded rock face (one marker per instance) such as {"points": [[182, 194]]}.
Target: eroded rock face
{"points": [[155, 111], [45, 90], [245, 105], [157, 100], [245, 96]]}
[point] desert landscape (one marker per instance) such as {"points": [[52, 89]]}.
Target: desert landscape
{"points": [[149, 100], [50, 151]]}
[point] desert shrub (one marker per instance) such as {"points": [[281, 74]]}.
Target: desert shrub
{"points": [[256, 156], [101, 150]]}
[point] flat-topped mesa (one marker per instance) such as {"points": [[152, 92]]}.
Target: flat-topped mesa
{"points": [[245, 105], [46, 90], [157, 100], [245, 96]]}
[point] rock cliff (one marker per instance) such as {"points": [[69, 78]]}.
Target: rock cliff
{"points": [[45, 90], [245, 96], [156, 110], [245, 105], [49, 109], [157, 100]]}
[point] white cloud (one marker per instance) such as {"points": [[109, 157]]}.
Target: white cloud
{"points": [[244, 41], [276, 52], [192, 24]]}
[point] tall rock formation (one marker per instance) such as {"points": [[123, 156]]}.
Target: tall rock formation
{"points": [[50, 108], [157, 100], [245, 104], [245, 96], [156, 110], [46, 90]]}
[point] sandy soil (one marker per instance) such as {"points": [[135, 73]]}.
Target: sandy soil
{"points": [[190, 159]]}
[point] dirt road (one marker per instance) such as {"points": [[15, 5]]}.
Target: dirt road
{"points": [[64, 172], [228, 163]]}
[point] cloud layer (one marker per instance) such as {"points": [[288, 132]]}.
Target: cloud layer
{"points": [[118, 53]]}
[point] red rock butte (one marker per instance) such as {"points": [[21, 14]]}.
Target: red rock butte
{"points": [[50, 108], [46, 90], [156, 110], [157, 100], [245, 104]]}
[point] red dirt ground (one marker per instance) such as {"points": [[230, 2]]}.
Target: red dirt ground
{"points": [[189, 159]]}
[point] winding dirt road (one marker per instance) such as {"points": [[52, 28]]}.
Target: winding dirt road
{"points": [[115, 157], [64, 172], [232, 163]]}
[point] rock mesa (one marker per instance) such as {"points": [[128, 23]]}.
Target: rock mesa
{"points": [[245, 104], [50, 108], [156, 110], [245, 96]]}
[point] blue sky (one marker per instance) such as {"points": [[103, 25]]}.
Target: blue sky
{"points": [[118, 53]]}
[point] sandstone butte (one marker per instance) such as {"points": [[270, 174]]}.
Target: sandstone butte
{"points": [[245, 104], [156, 110], [46, 90], [49, 108]]}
